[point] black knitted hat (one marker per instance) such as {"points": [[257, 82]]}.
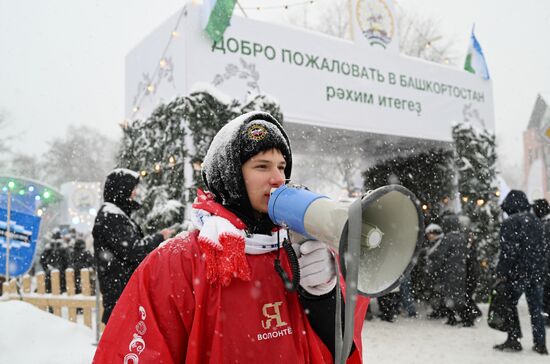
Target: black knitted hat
{"points": [[235, 143]]}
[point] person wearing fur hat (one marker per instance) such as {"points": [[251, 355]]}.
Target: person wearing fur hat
{"points": [[119, 243], [521, 266], [214, 296]]}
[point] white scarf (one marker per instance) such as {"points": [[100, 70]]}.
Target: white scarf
{"points": [[211, 227]]}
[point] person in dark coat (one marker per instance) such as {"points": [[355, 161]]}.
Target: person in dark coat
{"points": [[471, 310], [80, 258], [521, 266], [541, 208], [434, 235], [448, 267], [119, 243], [55, 256]]}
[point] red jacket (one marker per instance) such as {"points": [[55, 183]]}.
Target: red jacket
{"points": [[170, 313]]}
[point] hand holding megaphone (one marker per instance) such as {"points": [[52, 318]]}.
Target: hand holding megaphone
{"points": [[391, 229], [317, 268]]}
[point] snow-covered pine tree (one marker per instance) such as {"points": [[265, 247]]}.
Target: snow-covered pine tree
{"points": [[156, 148], [206, 112], [476, 167], [428, 175]]}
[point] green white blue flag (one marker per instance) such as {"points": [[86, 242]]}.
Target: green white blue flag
{"points": [[475, 62], [216, 16]]}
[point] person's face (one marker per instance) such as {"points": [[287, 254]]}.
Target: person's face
{"points": [[261, 173], [432, 237]]}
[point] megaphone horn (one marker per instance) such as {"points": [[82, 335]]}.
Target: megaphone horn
{"points": [[391, 230]]}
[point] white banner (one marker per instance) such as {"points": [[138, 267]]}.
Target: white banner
{"points": [[317, 79]]}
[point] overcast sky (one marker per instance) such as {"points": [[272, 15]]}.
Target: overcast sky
{"points": [[62, 61]]}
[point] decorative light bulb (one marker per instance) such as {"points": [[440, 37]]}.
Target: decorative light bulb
{"points": [[163, 63], [151, 88], [157, 167]]}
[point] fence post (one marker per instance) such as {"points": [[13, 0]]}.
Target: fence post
{"points": [[26, 283], [69, 279], [86, 291], [41, 287], [13, 285], [56, 290]]}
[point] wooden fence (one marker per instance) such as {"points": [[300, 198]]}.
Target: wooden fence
{"points": [[55, 301]]}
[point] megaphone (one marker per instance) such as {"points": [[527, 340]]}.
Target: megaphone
{"points": [[391, 230]]}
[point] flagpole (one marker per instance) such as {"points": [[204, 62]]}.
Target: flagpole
{"points": [[8, 237], [242, 9], [350, 11]]}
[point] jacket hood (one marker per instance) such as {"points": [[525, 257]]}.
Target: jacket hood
{"points": [[235, 143], [515, 202], [119, 185], [541, 208]]}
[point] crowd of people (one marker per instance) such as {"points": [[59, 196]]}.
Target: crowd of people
{"points": [[446, 274], [65, 248]]}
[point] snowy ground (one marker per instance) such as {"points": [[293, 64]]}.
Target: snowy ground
{"points": [[425, 341], [30, 335]]}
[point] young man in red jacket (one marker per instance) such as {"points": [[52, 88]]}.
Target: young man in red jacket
{"points": [[214, 296]]}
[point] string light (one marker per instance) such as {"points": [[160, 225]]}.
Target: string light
{"points": [[157, 167], [161, 65], [143, 173], [497, 193], [172, 160], [480, 202], [283, 6]]}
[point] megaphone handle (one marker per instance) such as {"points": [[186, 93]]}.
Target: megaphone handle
{"points": [[343, 345]]}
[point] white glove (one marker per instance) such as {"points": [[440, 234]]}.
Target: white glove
{"points": [[317, 270]]}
